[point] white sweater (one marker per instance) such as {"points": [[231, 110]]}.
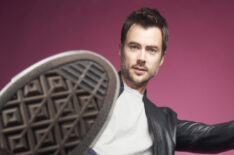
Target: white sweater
{"points": [[127, 131]]}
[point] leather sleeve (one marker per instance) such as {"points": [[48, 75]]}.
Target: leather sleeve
{"points": [[202, 138]]}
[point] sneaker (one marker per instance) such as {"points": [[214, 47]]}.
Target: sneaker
{"points": [[58, 105]]}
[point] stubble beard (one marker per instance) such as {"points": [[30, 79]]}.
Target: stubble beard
{"points": [[125, 70]]}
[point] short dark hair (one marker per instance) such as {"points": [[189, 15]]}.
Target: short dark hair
{"points": [[146, 17]]}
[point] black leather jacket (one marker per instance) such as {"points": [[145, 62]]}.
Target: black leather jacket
{"points": [[171, 134]]}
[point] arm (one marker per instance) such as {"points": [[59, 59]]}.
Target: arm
{"points": [[202, 138]]}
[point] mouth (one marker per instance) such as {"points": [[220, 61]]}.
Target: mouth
{"points": [[140, 70]]}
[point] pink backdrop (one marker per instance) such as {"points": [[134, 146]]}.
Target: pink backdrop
{"points": [[196, 79]]}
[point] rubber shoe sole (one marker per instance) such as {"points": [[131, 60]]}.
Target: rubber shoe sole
{"points": [[58, 105]]}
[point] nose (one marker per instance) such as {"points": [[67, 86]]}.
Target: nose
{"points": [[141, 57]]}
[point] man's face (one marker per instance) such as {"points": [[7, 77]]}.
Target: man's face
{"points": [[141, 54]]}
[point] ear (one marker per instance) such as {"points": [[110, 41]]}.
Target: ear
{"points": [[120, 48], [162, 60]]}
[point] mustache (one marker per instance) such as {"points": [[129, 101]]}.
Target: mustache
{"points": [[140, 67]]}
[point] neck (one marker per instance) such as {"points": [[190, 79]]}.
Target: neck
{"points": [[141, 88]]}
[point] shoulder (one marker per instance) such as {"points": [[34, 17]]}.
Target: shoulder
{"points": [[166, 111]]}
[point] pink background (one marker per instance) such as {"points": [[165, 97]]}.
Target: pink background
{"points": [[196, 79]]}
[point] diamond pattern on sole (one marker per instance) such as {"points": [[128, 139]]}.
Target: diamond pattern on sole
{"points": [[53, 113]]}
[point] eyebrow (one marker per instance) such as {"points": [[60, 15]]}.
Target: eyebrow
{"points": [[156, 47], [148, 46], [133, 42]]}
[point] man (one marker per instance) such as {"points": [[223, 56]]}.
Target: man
{"points": [[66, 103], [137, 126]]}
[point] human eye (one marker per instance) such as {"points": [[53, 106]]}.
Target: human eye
{"points": [[152, 50], [133, 46]]}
